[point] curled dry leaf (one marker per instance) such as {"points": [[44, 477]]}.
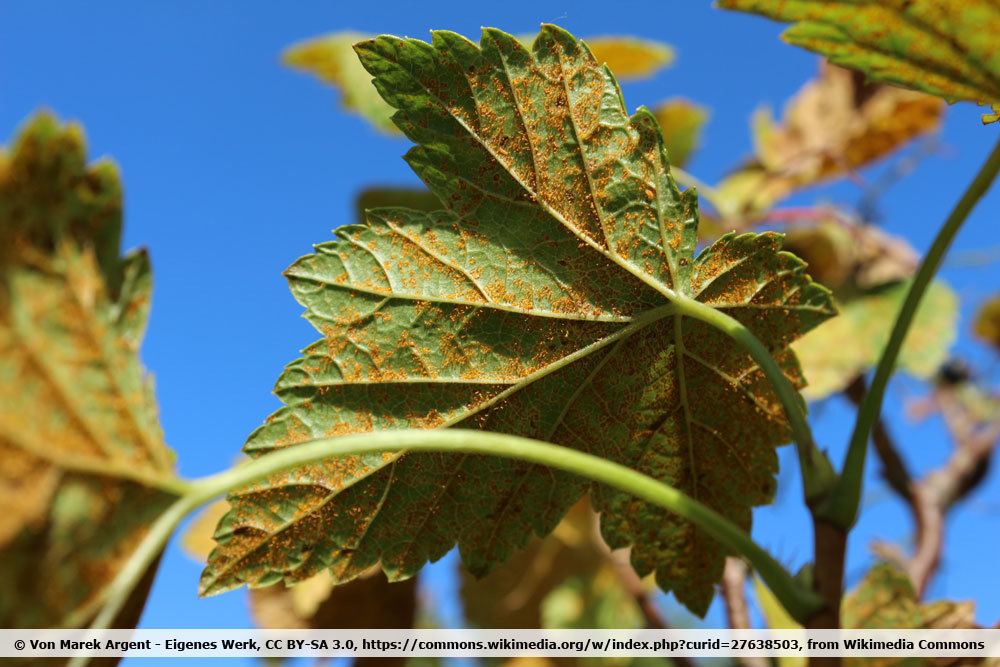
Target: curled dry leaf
{"points": [[833, 126], [537, 304], [80, 443], [943, 47]]}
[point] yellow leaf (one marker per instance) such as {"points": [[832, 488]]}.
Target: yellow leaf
{"points": [[681, 122], [630, 57]]}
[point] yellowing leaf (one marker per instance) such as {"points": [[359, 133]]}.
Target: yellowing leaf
{"points": [[681, 122], [942, 47], [197, 539], [370, 601], [537, 304], [332, 60], [987, 322], [883, 600], [630, 57], [776, 618], [79, 437], [839, 350], [834, 125], [513, 595]]}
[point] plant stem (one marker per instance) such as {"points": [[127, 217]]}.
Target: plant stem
{"points": [[799, 601], [817, 474], [842, 508]]}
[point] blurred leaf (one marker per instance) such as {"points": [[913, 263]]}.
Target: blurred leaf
{"points": [[681, 122], [883, 600], [776, 618], [942, 47], [537, 304], [197, 540], [987, 322], [837, 351], [850, 258], [78, 420], [412, 198], [833, 126], [596, 601], [331, 59], [630, 57], [369, 601], [512, 594]]}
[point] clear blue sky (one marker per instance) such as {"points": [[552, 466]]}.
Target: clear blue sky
{"points": [[234, 166]]}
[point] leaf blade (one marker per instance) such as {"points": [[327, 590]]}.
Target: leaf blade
{"points": [[536, 304]]}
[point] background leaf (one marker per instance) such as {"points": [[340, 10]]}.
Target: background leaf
{"points": [[942, 47], [681, 122], [332, 60], [839, 350], [535, 305], [630, 57], [833, 126], [987, 323], [79, 434]]}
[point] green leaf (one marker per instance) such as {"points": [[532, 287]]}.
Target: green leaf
{"points": [[681, 122], [942, 47], [79, 434], [537, 304], [829, 364]]}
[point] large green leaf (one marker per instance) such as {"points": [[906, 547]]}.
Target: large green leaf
{"points": [[942, 47], [79, 436], [838, 351], [537, 304]]}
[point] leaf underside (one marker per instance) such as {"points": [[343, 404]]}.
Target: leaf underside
{"points": [[536, 304], [942, 47], [75, 406]]}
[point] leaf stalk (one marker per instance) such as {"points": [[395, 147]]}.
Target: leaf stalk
{"points": [[842, 506], [818, 476], [797, 599]]}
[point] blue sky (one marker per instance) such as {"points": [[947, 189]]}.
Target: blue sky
{"points": [[234, 166]]}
